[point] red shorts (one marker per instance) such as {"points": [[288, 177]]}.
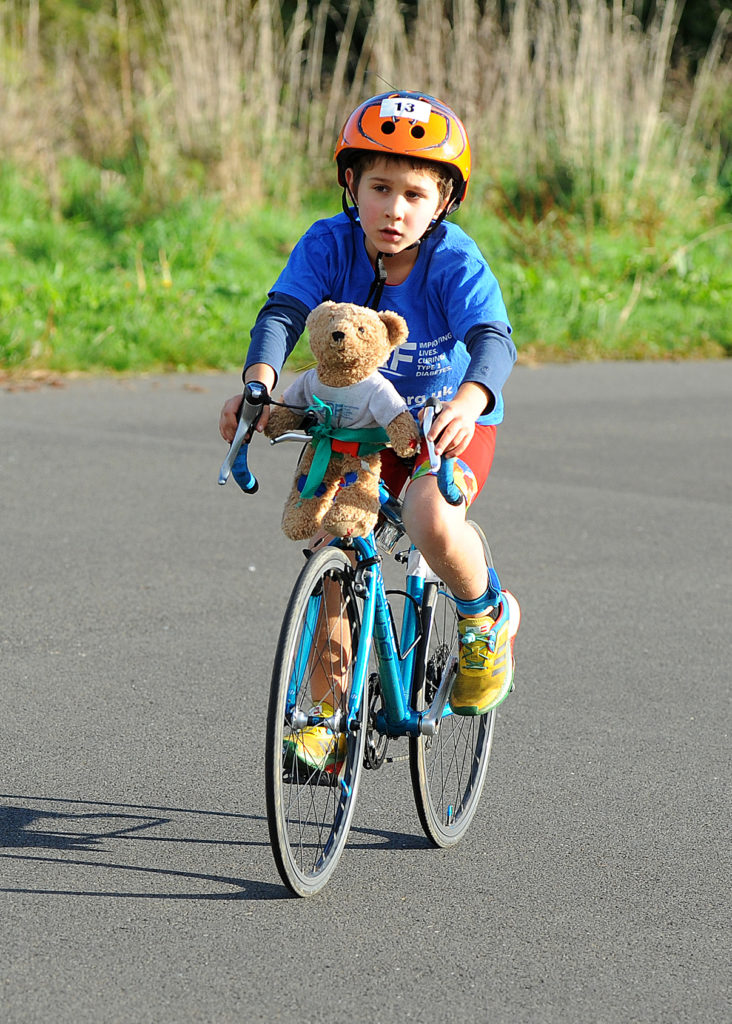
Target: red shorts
{"points": [[471, 467]]}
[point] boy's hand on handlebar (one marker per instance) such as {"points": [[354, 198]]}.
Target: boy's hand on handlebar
{"points": [[452, 431], [229, 418]]}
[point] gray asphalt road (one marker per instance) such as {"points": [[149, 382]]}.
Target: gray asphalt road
{"points": [[140, 607]]}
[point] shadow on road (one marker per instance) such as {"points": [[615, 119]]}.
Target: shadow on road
{"points": [[33, 828], [27, 828]]}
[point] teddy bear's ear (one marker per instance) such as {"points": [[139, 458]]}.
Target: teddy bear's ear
{"points": [[396, 327], [315, 314]]}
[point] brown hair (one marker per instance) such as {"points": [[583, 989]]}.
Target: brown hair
{"points": [[362, 160]]}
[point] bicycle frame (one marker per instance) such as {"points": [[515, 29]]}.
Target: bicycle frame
{"points": [[396, 660]]}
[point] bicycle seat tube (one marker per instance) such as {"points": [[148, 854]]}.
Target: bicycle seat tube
{"points": [[377, 622]]}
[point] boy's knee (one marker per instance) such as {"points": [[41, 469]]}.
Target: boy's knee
{"points": [[426, 514]]}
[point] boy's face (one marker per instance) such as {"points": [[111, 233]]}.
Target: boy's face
{"points": [[396, 205]]}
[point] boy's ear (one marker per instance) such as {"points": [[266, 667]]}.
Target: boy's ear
{"points": [[396, 327], [350, 178]]}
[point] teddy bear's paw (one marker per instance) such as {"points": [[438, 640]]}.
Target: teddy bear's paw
{"points": [[407, 449], [404, 435], [342, 524], [296, 532], [297, 525], [280, 421]]}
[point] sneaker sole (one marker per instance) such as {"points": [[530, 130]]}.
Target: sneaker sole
{"points": [[291, 755], [474, 710]]}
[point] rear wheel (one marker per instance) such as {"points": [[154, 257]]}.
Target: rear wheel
{"points": [[310, 799], [448, 769]]}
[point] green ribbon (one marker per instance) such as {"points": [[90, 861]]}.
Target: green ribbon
{"points": [[370, 440]]}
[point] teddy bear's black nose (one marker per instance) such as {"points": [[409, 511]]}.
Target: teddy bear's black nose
{"points": [[338, 336]]}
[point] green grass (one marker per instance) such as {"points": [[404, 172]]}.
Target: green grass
{"points": [[175, 290], [620, 305], [97, 283]]}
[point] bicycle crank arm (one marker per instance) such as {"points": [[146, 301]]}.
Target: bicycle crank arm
{"points": [[430, 722], [300, 720]]}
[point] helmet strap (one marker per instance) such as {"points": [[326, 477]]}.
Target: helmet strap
{"points": [[377, 285], [347, 208], [376, 289], [435, 223]]}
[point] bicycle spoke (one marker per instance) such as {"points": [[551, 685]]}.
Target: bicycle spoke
{"points": [[310, 802], [448, 769]]}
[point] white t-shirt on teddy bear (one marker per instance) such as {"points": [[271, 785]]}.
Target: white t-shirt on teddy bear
{"points": [[369, 403]]}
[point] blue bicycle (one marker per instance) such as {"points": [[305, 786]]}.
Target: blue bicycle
{"points": [[368, 665]]}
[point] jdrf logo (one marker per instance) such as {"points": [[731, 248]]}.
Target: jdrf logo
{"points": [[403, 354]]}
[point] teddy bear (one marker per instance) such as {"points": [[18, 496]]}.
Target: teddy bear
{"points": [[336, 487]]}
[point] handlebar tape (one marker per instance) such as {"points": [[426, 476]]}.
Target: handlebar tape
{"points": [[446, 482], [445, 472], [242, 473]]}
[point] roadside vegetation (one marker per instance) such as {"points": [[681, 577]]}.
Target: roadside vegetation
{"points": [[158, 161]]}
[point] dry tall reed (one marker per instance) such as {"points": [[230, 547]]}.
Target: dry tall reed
{"points": [[561, 91]]}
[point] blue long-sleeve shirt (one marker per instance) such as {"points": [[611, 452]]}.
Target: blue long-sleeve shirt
{"points": [[458, 325]]}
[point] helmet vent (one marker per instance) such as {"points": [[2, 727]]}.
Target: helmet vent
{"points": [[409, 125]]}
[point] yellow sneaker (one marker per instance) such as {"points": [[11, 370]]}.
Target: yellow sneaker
{"points": [[485, 674], [316, 747]]}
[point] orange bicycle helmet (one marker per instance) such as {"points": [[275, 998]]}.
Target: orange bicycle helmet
{"points": [[412, 125]]}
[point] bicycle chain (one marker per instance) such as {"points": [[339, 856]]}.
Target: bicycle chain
{"points": [[376, 744]]}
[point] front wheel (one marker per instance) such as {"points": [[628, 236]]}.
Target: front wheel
{"points": [[448, 769], [312, 777]]}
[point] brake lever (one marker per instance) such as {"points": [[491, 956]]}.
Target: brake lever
{"points": [[442, 468], [432, 408], [254, 399]]}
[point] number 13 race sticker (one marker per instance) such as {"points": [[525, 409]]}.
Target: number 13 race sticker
{"points": [[398, 106]]}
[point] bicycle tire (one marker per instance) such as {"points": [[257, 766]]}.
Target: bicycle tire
{"points": [[448, 770], [309, 810]]}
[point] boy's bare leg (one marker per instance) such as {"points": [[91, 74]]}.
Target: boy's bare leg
{"points": [[440, 531], [331, 654], [484, 673]]}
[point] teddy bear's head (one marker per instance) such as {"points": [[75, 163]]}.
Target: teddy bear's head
{"points": [[349, 342]]}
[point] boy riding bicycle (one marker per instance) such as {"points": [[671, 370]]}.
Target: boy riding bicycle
{"points": [[404, 164]]}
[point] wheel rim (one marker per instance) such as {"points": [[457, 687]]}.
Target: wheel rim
{"points": [[448, 768], [311, 805]]}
